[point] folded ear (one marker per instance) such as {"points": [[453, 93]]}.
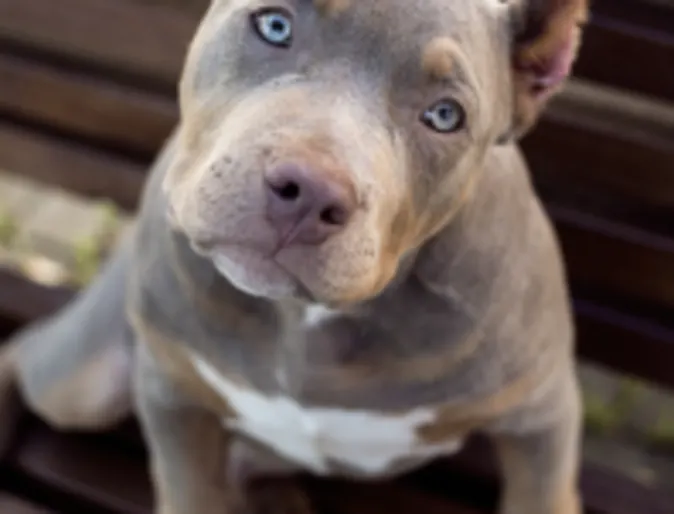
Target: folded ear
{"points": [[547, 36]]}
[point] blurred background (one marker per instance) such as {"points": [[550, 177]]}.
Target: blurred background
{"points": [[87, 96]]}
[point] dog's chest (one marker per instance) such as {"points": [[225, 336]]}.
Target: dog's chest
{"points": [[317, 439]]}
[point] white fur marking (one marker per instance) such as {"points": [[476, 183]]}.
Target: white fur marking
{"points": [[367, 441], [496, 4], [251, 273], [281, 377], [316, 314]]}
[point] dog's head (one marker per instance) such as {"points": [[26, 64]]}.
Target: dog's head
{"points": [[324, 140]]}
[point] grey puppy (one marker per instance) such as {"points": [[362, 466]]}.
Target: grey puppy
{"points": [[339, 264]]}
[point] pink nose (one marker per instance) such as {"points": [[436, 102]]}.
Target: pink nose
{"points": [[306, 206]]}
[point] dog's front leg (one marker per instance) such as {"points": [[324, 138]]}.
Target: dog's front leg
{"points": [[188, 447], [540, 466]]}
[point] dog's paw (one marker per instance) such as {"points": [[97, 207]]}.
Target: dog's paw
{"points": [[279, 497]]}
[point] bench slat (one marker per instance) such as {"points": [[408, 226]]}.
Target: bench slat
{"points": [[604, 490], [83, 105], [603, 254], [630, 44], [607, 143], [625, 342], [85, 468], [387, 498], [141, 38], [10, 505], [76, 167]]}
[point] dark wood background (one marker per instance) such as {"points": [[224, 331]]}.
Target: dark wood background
{"points": [[87, 96]]}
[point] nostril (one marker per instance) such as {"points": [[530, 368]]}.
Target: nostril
{"points": [[306, 205], [289, 191], [333, 215]]}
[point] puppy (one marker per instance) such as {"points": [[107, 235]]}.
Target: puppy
{"points": [[339, 265]]}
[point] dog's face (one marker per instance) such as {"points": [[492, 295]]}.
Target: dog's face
{"points": [[324, 140]]}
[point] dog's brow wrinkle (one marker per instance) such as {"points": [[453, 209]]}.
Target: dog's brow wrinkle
{"points": [[437, 59], [331, 7]]}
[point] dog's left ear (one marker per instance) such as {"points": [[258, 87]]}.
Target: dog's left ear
{"points": [[546, 38]]}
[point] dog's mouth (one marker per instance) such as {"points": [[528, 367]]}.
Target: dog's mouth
{"points": [[270, 244], [249, 265], [254, 269]]}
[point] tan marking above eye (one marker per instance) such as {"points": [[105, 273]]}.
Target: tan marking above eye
{"points": [[332, 7], [437, 58]]}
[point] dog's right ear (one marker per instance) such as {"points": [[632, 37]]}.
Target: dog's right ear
{"points": [[546, 38]]}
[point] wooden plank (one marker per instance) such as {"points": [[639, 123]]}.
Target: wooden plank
{"points": [[22, 301], [144, 39], [339, 497], [84, 468], [195, 8], [630, 44], [12, 413], [607, 142], [12, 505], [604, 491], [86, 106], [617, 259], [625, 342], [76, 167]]}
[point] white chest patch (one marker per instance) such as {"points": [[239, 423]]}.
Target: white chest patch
{"points": [[367, 441]]}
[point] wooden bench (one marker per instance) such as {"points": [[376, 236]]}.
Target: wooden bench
{"points": [[87, 98]]}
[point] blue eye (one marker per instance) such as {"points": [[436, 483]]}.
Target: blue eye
{"points": [[445, 116], [275, 26]]}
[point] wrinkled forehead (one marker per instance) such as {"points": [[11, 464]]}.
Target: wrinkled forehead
{"points": [[400, 28], [403, 17]]}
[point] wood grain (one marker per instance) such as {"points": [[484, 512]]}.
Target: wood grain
{"points": [[70, 164], [85, 105], [143, 39], [630, 44]]}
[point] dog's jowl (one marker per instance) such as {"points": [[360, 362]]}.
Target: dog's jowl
{"points": [[339, 265]]}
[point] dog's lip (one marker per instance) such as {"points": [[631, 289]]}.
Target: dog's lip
{"points": [[268, 250], [210, 247], [267, 254], [257, 250]]}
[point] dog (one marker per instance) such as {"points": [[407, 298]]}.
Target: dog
{"points": [[340, 264]]}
